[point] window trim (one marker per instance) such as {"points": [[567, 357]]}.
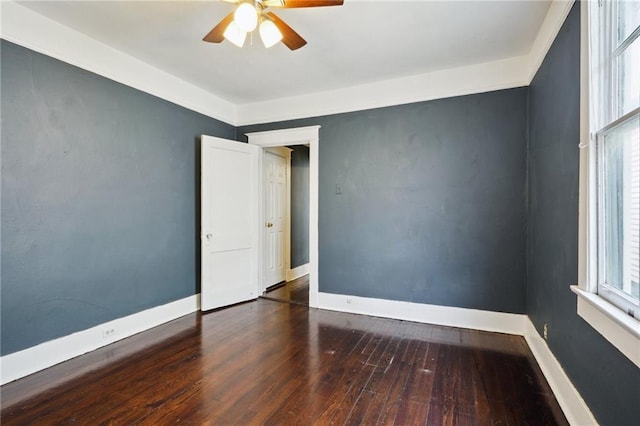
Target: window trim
{"points": [[621, 330], [607, 291]]}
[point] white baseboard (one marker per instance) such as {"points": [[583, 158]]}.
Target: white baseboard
{"points": [[572, 404], [28, 361], [298, 272], [44, 355], [432, 314]]}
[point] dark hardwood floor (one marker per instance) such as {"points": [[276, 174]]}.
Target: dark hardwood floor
{"points": [[265, 362], [296, 291]]}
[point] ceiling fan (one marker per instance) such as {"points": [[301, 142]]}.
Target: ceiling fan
{"points": [[251, 14]]}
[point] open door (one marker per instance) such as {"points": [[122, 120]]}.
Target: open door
{"points": [[276, 166], [229, 224]]}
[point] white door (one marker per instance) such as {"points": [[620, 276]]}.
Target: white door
{"points": [[229, 222], [275, 216]]}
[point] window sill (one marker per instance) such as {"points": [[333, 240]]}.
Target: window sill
{"points": [[621, 330]]}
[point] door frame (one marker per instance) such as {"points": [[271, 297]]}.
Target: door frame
{"points": [[284, 153], [309, 135]]}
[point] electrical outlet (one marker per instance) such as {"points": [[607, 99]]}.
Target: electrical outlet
{"points": [[545, 331], [338, 188], [108, 332]]}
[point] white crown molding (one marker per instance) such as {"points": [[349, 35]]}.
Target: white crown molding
{"points": [[41, 34], [28, 361], [475, 319], [502, 74], [575, 409], [497, 75], [556, 15]]}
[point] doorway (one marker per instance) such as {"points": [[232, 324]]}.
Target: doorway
{"points": [[276, 167], [296, 291], [286, 256], [288, 137]]}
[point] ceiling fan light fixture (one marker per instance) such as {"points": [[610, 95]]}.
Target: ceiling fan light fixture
{"points": [[246, 17], [235, 34], [269, 33]]}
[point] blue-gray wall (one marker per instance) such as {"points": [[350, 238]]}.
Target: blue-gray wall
{"points": [[432, 208], [299, 206], [99, 206], [99, 199], [607, 380]]}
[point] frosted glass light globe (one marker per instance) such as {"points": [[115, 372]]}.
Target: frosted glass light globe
{"points": [[269, 33], [235, 35], [246, 17]]}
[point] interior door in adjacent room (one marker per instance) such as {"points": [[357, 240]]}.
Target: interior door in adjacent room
{"points": [[229, 222], [276, 163]]}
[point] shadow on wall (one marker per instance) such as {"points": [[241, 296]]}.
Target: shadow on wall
{"points": [[196, 205], [299, 205]]}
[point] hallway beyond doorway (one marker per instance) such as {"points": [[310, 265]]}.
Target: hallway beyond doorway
{"points": [[296, 291]]}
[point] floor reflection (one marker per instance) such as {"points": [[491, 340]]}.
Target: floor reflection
{"points": [[296, 291], [264, 362]]}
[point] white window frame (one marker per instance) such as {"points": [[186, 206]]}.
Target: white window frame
{"points": [[605, 290], [620, 329]]}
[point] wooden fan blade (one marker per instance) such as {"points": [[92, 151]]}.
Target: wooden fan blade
{"points": [[216, 35], [272, 3], [290, 38], [289, 4]]}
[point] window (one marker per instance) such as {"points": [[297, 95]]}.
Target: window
{"points": [[615, 128]]}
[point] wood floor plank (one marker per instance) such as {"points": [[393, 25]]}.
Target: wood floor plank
{"points": [[414, 402], [398, 386], [358, 399], [272, 363], [306, 407], [344, 380], [385, 374]]}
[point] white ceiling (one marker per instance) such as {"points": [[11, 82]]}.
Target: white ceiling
{"points": [[360, 42]]}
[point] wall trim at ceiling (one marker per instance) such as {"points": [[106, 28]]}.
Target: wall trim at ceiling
{"points": [[556, 15], [497, 75], [31, 360], [41, 34], [503, 74]]}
